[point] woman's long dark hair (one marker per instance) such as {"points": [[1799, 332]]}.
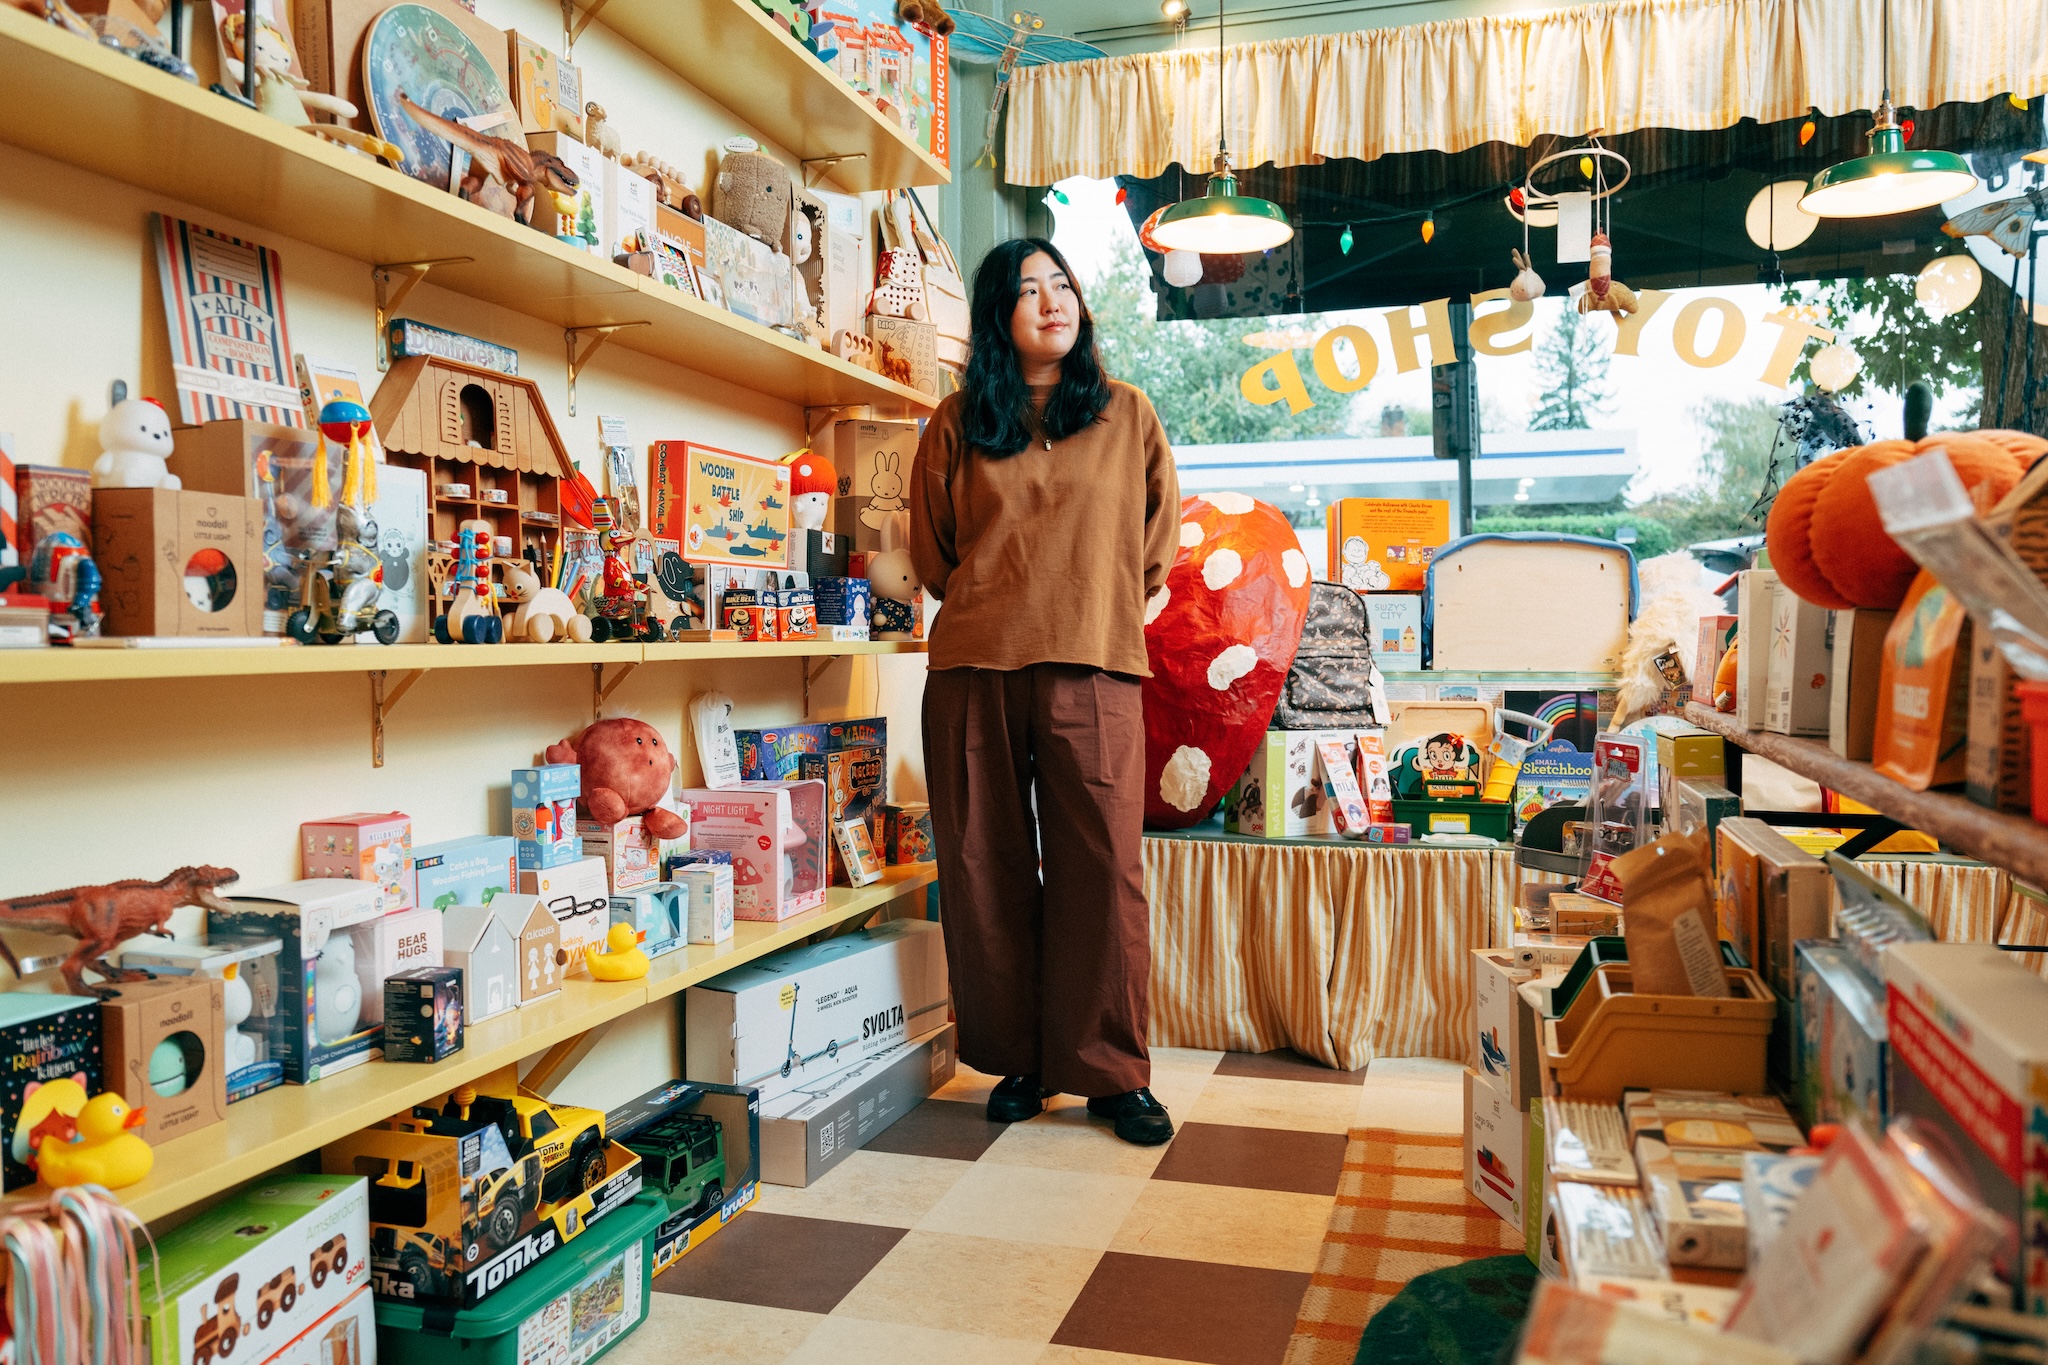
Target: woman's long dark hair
{"points": [[996, 416]]}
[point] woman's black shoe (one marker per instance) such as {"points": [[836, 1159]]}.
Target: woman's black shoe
{"points": [[1140, 1119], [1015, 1099]]}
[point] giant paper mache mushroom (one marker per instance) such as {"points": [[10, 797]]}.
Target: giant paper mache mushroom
{"points": [[1220, 636], [627, 768]]}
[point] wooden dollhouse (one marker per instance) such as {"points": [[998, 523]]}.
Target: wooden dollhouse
{"points": [[488, 432]]}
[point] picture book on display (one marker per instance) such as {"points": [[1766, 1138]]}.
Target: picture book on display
{"points": [[1555, 775], [224, 303]]}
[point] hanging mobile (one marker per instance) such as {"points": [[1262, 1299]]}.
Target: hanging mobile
{"points": [[1603, 293]]}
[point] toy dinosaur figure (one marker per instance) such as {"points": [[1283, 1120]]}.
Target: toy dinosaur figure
{"points": [[500, 158], [103, 917]]}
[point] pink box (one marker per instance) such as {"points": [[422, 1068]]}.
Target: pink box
{"points": [[777, 835], [363, 847]]}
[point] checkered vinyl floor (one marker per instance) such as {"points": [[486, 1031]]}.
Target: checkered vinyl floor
{"points": [[952, 1239]]}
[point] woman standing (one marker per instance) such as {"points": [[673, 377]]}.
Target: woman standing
{"points": [[1044, 512]]}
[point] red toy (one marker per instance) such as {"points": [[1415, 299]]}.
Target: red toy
{"points": [[627, 768], [103, 917], [1221, 636]]}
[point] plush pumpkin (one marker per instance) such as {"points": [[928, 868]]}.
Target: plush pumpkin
{"points": [[1788, 531], [2023, 446], [1724, 679], [1850, 545]]}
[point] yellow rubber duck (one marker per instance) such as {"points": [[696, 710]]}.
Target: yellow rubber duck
{"points": [[622, 959], [102, 1151]]}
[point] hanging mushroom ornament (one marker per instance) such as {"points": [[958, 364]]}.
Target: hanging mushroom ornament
{"points": [[1221, 635], [1528, 285], [1604, 293]]}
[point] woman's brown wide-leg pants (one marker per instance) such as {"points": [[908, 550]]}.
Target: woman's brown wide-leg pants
{"points": [[1047, 933]]}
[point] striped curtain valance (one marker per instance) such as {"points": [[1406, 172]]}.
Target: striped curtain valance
{"points": [[1456, 84]]}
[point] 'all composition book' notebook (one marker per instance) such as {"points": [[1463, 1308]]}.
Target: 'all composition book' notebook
{"points": [[224, 303]]}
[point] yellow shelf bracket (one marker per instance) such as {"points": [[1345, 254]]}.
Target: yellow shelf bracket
{"points": [[564, 1057], [579, 358], [824, 163], [574, 23], [830, 415], [382, 702], [601, 691], [394, 281]]}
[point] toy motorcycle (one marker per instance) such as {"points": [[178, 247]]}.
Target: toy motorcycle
{"points": [[339, 599], [621, 608]]}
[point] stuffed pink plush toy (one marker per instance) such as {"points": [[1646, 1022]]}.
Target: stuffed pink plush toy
{"points": [[627, 769]]}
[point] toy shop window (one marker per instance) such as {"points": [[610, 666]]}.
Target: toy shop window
{"points": [[479, 417]]}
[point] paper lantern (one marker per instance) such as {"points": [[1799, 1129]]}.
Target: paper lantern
{"points": [[1948, 284], [1183, 269], [1788, 534], [1849, 543], [1221, 636], [1834, 367]]}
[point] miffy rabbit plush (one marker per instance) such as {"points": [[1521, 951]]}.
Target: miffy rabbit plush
{"points": [[894, 580], [135, 443]]}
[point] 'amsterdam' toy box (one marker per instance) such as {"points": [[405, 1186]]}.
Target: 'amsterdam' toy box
{"points": [[347, 1335], [253, 1272], [573, 1309], [311, 998], [772, 755], [699, 1146], [1969, 1037], [366, 847], [43, 1038], [464, 871]]}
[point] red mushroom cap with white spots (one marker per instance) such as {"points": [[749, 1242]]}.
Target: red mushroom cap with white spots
{"points": [[1220, 636]]}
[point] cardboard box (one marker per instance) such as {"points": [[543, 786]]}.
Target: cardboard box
{"points": [[1798, 675], [1771, 1185], [1771, 895], [874, 460], [797, 1017], [1844, 1051], [54, 498], [629, 211], [542, 959], [400, 540], [165, 1049], [178, 563], [774, 755], [1716, 634], [842, 252], [273, 467], [707, 1184], [533, 83], [1969, 1036], [483, 1205], [916, 342], [907, 834], [679, 240], [902, 68], [483, 944], [822, 555], [631, 856], [400, 943], [581, 222], [1687, 753], [367, 847], [312, 997], [569, 116], [228, 1269], [341, 1334], [1495, 1158], [777, 835], [1857, 664], [1279, 795], [544, 815], [43, 1038], [1754, 590], [1385, 544], [810, 1131], [1498, 1043], [423, 1013], [708, 916], [464, 871], [244, 1060], [856, 780], [1698, 806], [746, 276], [1695, 1196], [578, 896], [1395, 620]]}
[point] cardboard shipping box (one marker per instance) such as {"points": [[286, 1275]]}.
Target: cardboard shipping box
{"points": [[273, 466], [1754, 591], [179, 563], [1858, 664], [808, 1132], [874, 461], [1798, 673], [1496, 1150], [185, 1089]]}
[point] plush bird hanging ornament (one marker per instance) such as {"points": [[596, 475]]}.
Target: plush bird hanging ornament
{"points": [[1604, 293]]}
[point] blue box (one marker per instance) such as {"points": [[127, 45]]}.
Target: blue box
{"points": [[771, 755], [544, 815], [842, 601], [464, 871], [1843, 1042], [658, 910]]}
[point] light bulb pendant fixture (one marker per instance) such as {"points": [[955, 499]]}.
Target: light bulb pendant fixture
{"points": [[1344, 241], [1223, 222], [1888, 178]]}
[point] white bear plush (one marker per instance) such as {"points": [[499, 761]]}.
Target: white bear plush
{"points": [[135, 443]]}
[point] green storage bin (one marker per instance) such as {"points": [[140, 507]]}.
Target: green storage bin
{"points": [[1455, 815], [585, 1296]]}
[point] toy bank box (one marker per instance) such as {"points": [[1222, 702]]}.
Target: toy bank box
{"points": [[253, 1277], [454, 1214]]}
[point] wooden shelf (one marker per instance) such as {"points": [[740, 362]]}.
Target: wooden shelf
{"points": [[60, 664], [2018, 845], [740, 57], [93, 108], [283, 1124], [1521, 681]]}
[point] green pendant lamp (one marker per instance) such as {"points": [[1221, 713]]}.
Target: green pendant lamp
{"points": [[1222, 222], [1887, 179]]}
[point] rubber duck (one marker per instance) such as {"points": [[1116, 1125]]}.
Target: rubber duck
{"points": [[621, 959], [104, 1150]]}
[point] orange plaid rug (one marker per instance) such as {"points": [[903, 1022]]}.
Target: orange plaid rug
{"points": [[1402, 1210]]}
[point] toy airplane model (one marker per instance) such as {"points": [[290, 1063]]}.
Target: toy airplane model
{"points": [[989, 42]]}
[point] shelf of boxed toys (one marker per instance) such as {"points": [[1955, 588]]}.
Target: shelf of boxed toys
{"points": [[284, 1124], [90, 107], [94, 664], [733, 52], [2012, 842]]}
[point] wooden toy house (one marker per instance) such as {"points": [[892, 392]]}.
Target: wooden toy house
{"points": [[480, 942], [541, 958], [489, 432]]}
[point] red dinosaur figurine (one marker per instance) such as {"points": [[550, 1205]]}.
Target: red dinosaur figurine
{"points": [[103, 917], [510, 163]]}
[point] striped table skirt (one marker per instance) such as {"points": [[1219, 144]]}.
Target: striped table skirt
{"points": [[1346, 952]]}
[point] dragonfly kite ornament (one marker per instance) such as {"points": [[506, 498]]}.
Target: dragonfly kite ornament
{"points": [[1021, 42]]}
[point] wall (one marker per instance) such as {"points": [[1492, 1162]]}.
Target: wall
{"points": [[108, 780]]}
